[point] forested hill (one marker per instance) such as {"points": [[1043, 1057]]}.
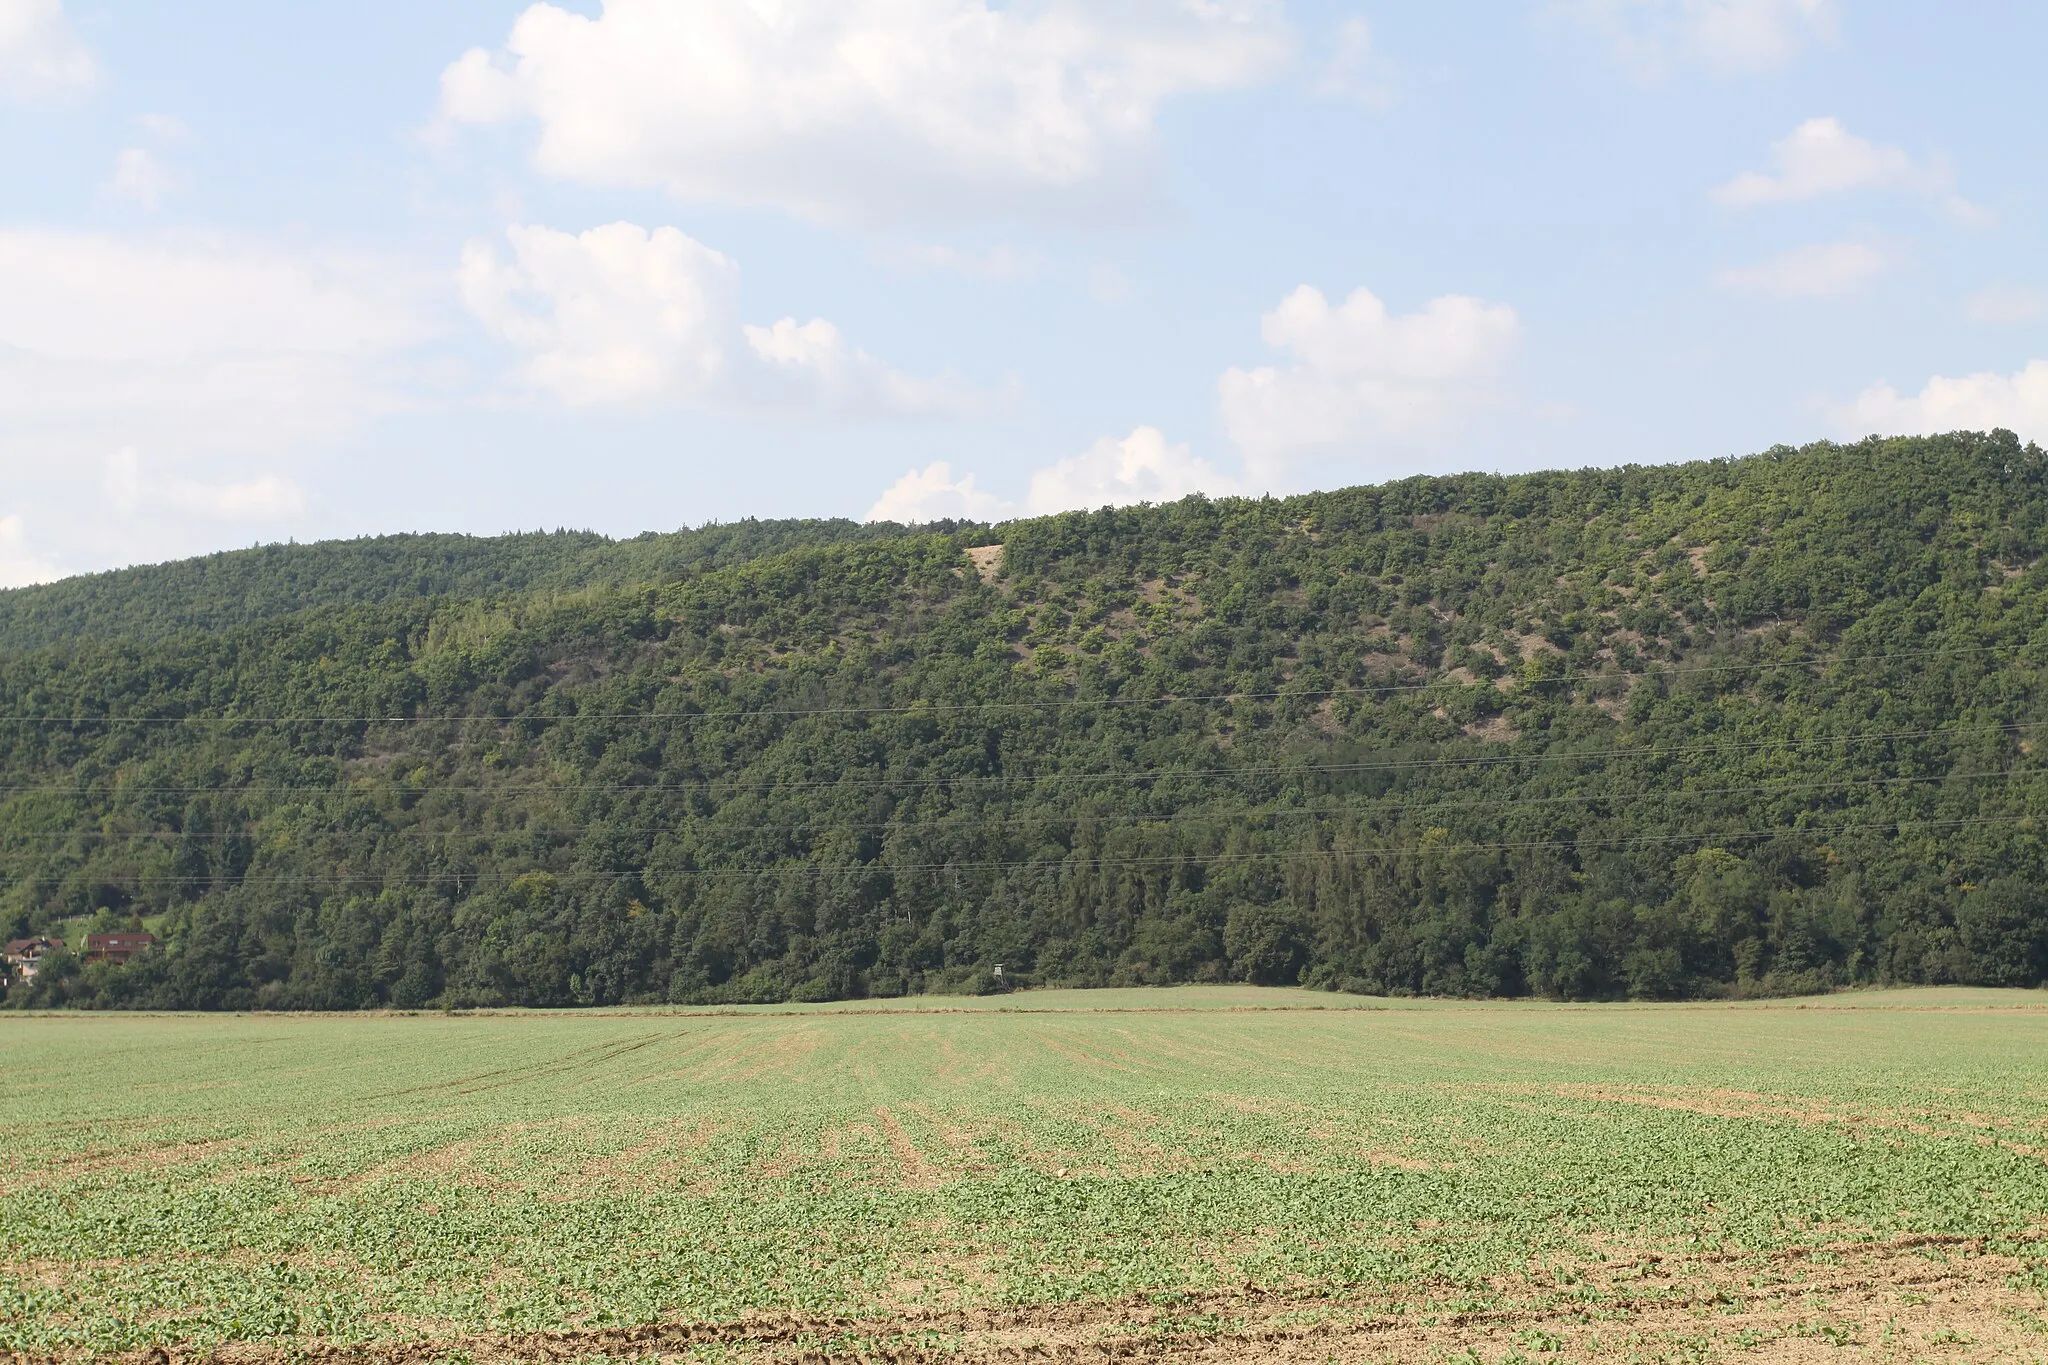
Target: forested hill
{"points": [[1732, 727], [239, 587]]}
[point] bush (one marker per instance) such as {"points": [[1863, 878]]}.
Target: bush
{"points": [[2003, 925], [1268, 945]]}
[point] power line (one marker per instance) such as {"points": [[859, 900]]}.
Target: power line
{"points": [[922, 707], [1164, 860], [1114, 819], [989, 780]]}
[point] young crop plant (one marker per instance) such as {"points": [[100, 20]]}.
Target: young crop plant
{"points": [[1204, 1171]]}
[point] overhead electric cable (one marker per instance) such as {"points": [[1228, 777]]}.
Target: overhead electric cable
{"points": [[925, 707], [948, 824], [1064, 864], [988, 780]]}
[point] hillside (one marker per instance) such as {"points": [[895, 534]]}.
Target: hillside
{"points": [[239, 587], [1733, 727]]}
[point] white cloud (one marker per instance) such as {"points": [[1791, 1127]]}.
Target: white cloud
{"points": [[264, 498], [40, 56], [1107, 284], [812, 363], [614, 314], [1728, 35], [2006, 304], [1355, 70], [18, 566], [230, 363], [1819, 271], [122, 480], [1977, 402], [1141, 467], [1821, 157], [141, 177], [1752, 35], [1362, 373], [108, 341], [934, 493], [92, 297], [165, 128], [130, 489], [870, 109], [995, 263], [620, 314]]}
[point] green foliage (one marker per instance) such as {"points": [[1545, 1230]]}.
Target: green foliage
{"points": [[411, 1184], [1268, 944], [2003, 928], [1733, 728], [217, 591]]}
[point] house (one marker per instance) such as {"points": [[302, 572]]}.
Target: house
{"points": [[117, 948], [24, 954]]}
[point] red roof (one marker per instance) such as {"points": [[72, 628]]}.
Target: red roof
{"points": [[116, 943]]}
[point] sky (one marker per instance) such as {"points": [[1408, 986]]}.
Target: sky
{"points": [[277, 272]]}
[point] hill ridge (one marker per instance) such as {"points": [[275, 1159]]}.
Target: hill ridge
{"points": [[1733, 727], [239, 587]]}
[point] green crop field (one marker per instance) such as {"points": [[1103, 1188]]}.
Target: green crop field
{"points": [[1208, 1173]]}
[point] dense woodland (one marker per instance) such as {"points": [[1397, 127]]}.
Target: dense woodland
{"points": [[1738, 727], [232, 589]]}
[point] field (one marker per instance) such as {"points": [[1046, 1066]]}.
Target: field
{"points": [[1200, 1173]]}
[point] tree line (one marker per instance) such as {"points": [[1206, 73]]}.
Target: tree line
{"points": [[1733, 727]]}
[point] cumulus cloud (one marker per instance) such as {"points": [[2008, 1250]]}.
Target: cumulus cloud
{"points": [[1142, 467], [612, 314], [1752, 35], [812, 363], [131, 489], [163, 127], [1107, 284], [1823, 270], [1362, 372], [1977, 402], [621, 314], [18, 566], [2006, 304], [868, 109], [141, 178], [1821, 157], [264, 498], [229, 362], [40, 56], [1355, 71], [994, 263], [935, 493], [107, 341], [1649, 36]]}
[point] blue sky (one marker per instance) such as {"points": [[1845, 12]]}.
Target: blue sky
{"points": [[300, 271]]}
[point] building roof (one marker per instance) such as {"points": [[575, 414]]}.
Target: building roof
{"points": [[44, 943]]}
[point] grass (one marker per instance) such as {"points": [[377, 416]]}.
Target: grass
{"points": [[1407, 1179]]}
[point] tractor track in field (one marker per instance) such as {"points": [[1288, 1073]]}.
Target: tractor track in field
{"points": [[582, 1059], [1914, 1298]]}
